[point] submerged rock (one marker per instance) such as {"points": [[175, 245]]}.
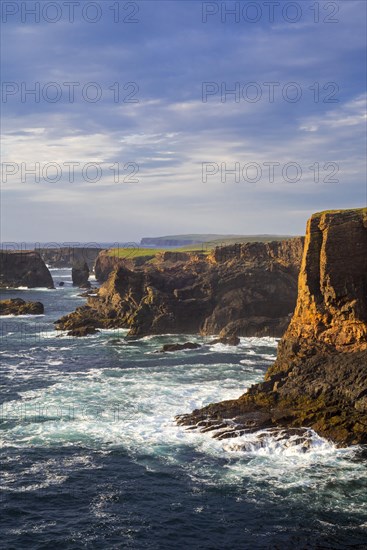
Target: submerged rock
{"points": [[178, 347], [319, 379], [227, 341], [17, 306]]}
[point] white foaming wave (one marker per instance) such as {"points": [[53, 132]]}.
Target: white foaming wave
{"points": [[134, 409], [257, 341], [246, 344], [38, 288], [223, 348], [248, 362], [51, 334], [267, 356], [121, 331], [270, 443], [10, 316], [167, 335]]}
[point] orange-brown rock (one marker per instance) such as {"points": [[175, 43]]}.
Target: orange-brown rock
{"points": [[319, 379]]}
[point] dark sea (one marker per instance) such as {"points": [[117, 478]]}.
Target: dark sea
{"points": [[92, 458]]}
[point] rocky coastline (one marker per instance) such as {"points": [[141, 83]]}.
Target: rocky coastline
{"points": [[319, 379], [238, 290]]}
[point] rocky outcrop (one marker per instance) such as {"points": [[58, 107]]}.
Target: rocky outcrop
{"points": [[80, 274], [319, 379], [245, 290], [16, 306], [109, 260], [23, 268]]}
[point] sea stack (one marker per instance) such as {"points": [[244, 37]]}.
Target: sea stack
{"points": [[80, 274], [23, 268], [319, 379]]}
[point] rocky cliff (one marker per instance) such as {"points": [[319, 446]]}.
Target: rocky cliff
{"points": [[319, 379], [23, 268], [247, 289], [108, 261]]}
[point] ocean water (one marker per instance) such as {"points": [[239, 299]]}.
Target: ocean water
{"points": [[92, 458]]}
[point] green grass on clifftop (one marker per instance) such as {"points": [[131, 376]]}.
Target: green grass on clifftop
{"points": [[202, 248]]}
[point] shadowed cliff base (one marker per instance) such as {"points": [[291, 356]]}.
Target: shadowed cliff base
{"points": [[319, 379]]}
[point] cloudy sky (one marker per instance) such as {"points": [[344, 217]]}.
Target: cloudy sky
{"points": [[133, 130]]}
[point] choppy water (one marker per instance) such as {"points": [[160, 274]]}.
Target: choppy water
{"points": [[91, 457]]}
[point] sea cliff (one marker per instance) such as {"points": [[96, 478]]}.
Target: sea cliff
{"points": [[319, 379]]}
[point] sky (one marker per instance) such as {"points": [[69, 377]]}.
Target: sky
{"points": [[179, 116]]}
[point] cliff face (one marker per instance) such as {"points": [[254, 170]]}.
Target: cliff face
{"points": [[319, 379], [331, 307], [23, 268], [235, 290]]}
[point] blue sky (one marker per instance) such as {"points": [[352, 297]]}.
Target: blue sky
{"points": [[169, 132]]}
